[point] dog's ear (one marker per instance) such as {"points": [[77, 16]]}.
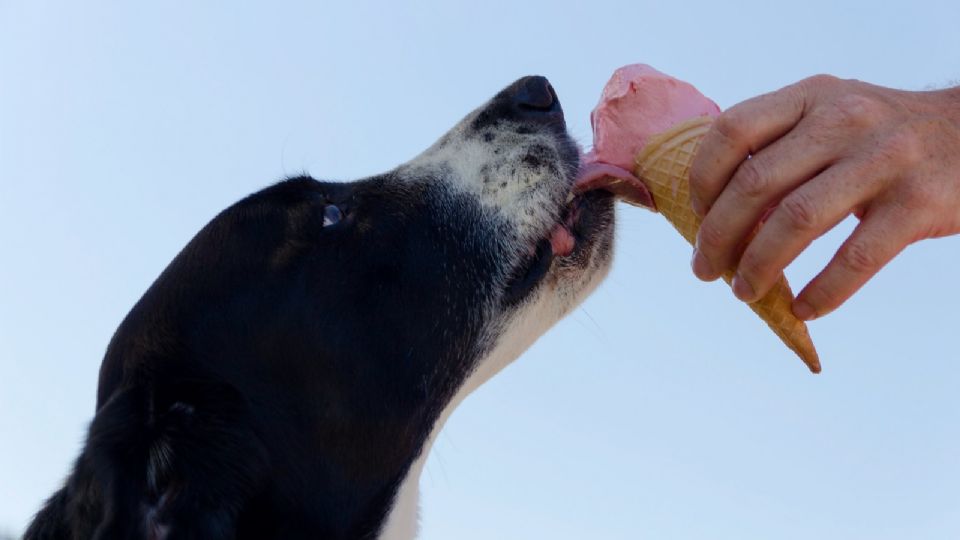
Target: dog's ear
{"points": [[52, 521], [178, 461]]}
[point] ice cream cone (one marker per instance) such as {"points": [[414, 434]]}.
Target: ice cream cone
{"points": [[663, 164]]}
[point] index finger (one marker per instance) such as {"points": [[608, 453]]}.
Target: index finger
{"points": [[738, 132]]}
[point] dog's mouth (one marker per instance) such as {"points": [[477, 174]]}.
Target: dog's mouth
{"points": [[566, 239], [563, 236], [592, 177]]}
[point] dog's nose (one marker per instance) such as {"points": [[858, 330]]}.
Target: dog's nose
{"points": [[534, 97]]}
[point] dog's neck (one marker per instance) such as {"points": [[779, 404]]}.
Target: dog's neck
{"points": [[402, 522]]}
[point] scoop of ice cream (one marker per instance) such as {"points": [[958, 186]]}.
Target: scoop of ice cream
{"points": [[637, 103]]}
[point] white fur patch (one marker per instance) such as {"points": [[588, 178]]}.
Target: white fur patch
{"points": [[554, 300], [495, 173], [517, 172]]}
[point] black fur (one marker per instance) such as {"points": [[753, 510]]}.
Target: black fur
{"points": [[281, 375]]}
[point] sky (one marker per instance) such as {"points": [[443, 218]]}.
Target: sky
{"points": [[660, 409]]}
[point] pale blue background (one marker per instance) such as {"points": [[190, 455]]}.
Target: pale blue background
{"points": [[662, 409]]}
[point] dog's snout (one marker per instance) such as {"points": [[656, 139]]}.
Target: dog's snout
{"points": [[534, 97], [534, 93], [530, 101]]}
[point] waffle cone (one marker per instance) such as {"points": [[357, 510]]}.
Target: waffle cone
{"points": [[664, 166]]}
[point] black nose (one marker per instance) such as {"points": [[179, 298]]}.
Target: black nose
{"points": [[534, 96]]}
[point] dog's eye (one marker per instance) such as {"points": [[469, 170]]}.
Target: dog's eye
{"points": [[331, 215]]}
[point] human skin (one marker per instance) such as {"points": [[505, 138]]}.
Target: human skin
{"points": [[820, 150]]}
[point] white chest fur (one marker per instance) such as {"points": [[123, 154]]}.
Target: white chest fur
{"points": [[527, 324]]}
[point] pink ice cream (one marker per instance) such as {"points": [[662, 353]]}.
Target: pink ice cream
{"points": [[637, 103]]}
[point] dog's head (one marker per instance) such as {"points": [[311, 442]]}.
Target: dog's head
{"points": [[355, 314]]}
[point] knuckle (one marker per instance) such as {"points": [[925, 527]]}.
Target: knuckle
{"points": [[800, 211], [816, 85], [902, 146], [849, 111], [820, 80], [858, 109], [918, 196], [751, 179], [859, 257], [730, 126]]}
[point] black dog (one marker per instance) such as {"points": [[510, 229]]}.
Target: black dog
{"points": [[287, 374]]}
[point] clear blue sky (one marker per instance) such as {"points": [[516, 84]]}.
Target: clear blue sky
{"points": [[662, 409]]}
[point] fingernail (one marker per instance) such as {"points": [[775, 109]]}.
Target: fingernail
{"points": [[742, 289], [804, 311], [698, 207], [701, 267]]}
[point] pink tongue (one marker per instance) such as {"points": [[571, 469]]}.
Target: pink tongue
{"points": [[598, 175], [561, 241]]}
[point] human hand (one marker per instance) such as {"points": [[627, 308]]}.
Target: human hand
{"points": [[820, 150]]}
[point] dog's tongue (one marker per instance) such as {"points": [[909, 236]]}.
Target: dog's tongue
{"points": [[637, 103], [561, 241], [621, 182]]}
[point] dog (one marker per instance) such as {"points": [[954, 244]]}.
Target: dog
{"points": [[286, 375]]}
